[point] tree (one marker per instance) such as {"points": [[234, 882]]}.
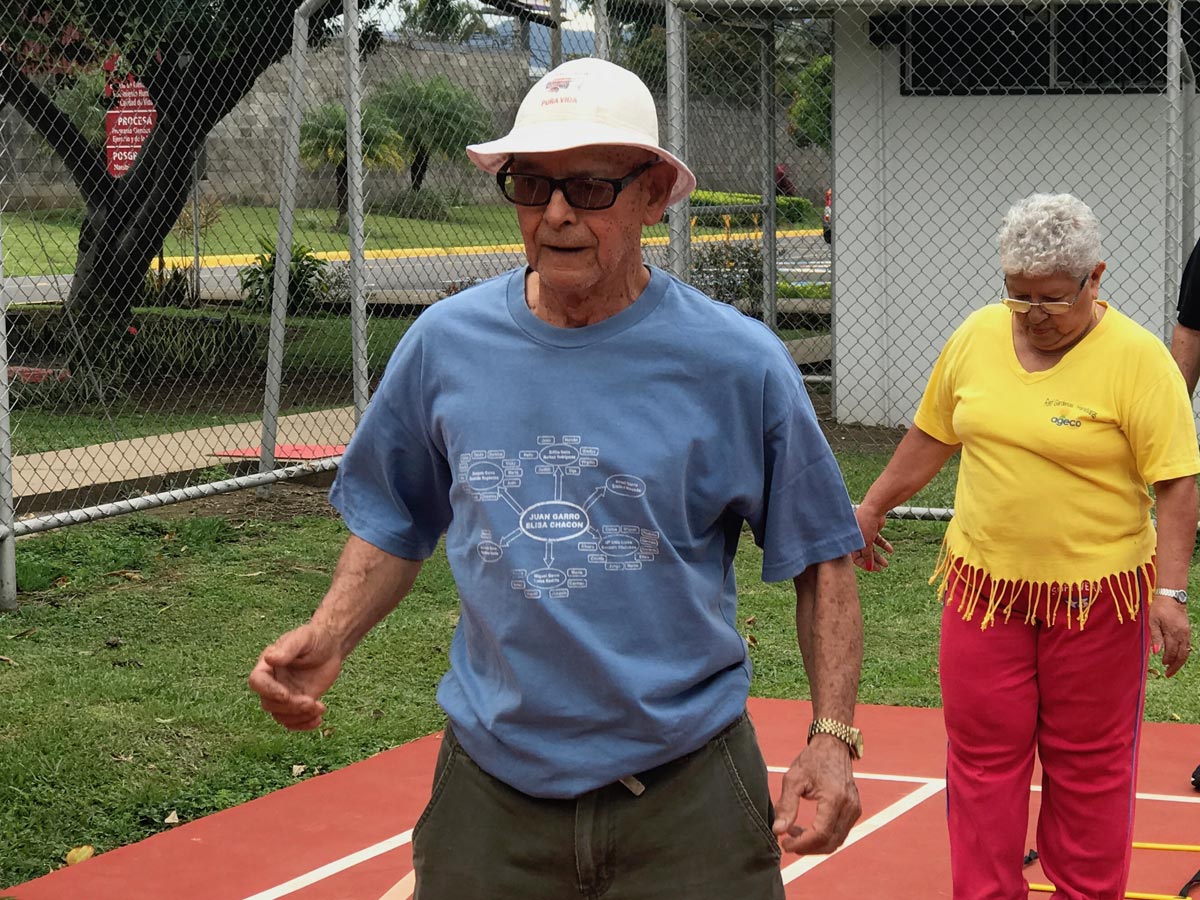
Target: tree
{"points": [[810, 116], [453, 21], [197, 59], [323, 143], [435, 117]]}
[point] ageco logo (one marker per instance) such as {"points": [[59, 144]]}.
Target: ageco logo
{"points": [[1063, 420]]}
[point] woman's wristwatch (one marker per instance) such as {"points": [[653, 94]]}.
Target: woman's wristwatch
{"points": [[1177, 596]]}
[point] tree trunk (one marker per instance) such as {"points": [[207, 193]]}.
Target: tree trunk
{"points": [[420, 165]]}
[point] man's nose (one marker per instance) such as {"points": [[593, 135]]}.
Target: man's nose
{"points": [[557, 208]]}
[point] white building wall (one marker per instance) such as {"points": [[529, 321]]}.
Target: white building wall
{"points": [[920, 186]]}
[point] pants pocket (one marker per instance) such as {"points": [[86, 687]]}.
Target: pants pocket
{"points": [[448, 754], [747, 773]]}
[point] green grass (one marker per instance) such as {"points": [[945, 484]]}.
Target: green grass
{"points": [[44, 241], [40, 430], [315, 344], [127, 700]]}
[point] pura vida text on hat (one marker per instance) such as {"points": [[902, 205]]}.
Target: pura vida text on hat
{"points": [[584, 103]]}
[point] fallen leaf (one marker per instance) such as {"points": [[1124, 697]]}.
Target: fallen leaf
{"points": [[117, 757], [248, 575], [172, 818], [297, 771], [750, 621], [1175, 717], [113, 642], [327, 732], [8, 659], [165, 721], [80, 854], [751, 640], [22, 634], [61, 581]]}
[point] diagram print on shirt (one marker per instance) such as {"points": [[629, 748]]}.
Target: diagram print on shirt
{"points": [[572, 543]]}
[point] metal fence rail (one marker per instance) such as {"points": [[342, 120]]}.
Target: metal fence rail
{"points": [[214, 227]]}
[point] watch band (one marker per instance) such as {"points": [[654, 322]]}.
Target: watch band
{"points": [[847, 734], [1179, 596]]}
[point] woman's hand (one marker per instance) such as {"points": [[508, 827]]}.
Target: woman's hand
{"points": [[1170, 633], [872, 557]]}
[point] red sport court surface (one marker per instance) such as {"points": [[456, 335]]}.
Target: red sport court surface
{"points": [[347, 835]]}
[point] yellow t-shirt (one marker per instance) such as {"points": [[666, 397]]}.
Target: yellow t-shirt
{"points": [[1052, 500]]}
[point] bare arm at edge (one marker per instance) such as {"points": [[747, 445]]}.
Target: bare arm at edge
{"points": [[293, 673], [830, 634]]}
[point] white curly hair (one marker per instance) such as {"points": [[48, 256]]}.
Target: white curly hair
{"points": [[1048, 233]]}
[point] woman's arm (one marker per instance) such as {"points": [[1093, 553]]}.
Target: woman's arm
{"points": [[917, 459], [1170, 630]]}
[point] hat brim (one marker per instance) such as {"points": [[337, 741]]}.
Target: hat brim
{"points": [[554, 137]]}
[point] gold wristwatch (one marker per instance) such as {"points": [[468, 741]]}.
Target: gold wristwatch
{"points": [[847, 734]]}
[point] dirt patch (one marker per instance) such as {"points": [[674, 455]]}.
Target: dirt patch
{"points": [[287, 500]]}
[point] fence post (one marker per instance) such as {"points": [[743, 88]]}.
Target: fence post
{"points": [[289, 175], [767, 100], [679, 228], [600, 26], [354, 169], [8, 554], [1173, 218]]}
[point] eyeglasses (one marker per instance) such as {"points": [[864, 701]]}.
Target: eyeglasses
{"points": [[579, 192], [1052, 307]]}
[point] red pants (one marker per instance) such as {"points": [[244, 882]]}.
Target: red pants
{"points": [[1074, 696]]}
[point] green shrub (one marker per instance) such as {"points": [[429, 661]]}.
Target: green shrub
{"points": [[308, 283], [195, 346], [426, 205], [813, 290], [789, 210], [171, 289], [731, 273]]}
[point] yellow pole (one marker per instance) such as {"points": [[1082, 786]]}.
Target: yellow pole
{"points": [[1181, 848], [1129, 895]]}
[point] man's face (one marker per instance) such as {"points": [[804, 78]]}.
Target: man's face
{"points": [[581, 253]]}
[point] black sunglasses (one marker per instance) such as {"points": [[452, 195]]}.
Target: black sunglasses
{"points": [[580, 192]]}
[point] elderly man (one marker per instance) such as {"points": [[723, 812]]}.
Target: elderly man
{"points": [[591, 435]]}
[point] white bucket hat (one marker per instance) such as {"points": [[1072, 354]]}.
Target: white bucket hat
{"points": [[584, 103]]}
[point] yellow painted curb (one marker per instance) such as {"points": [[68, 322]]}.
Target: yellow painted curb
{"points": [[245, 259]]}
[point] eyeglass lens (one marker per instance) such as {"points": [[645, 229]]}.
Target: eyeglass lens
{"points": [[536, 190]]}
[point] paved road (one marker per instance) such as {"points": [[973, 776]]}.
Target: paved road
{"points": [[421, 278]]}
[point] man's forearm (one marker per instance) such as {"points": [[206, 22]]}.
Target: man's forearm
{"points": [[367, 585], [830, 633], [1185, 347]]}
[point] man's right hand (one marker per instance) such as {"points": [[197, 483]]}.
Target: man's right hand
{"points": [[293, 673]]}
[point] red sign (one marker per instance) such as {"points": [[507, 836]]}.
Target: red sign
{"points": [[128, 125]]}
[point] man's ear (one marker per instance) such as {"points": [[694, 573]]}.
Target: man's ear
{"points": [[659, 182]]}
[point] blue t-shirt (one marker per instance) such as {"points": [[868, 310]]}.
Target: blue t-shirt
{"points": [[592, 484]]}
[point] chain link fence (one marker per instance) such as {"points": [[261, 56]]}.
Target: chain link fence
{"points": [[147, 188]]}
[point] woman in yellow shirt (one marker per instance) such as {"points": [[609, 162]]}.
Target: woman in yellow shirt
{"points": [[1055, 583]]}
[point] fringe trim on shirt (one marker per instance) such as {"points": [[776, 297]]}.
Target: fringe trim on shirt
{"points": [[1047, 601]]}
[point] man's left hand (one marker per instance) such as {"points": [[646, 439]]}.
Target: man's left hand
{"points": [[821, 773]]}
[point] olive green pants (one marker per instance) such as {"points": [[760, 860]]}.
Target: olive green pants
{"points": [[700, 830]]}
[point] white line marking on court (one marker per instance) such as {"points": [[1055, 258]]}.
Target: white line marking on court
{"points": [[885, 816], [1162, 798], [333, 868], [872, 776]]}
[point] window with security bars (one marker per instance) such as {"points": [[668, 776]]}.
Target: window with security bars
{"points": [[998, 49]]}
